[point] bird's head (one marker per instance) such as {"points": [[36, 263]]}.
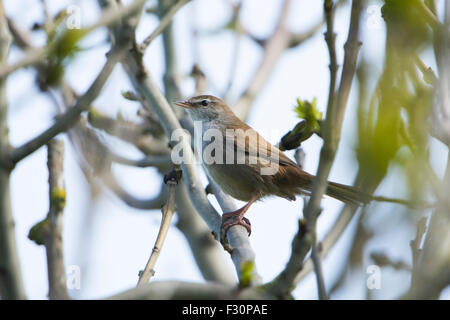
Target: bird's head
{"points": [[205, 107]]}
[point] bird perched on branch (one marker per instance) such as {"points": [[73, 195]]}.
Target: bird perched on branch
{"points": [[246, 166]]}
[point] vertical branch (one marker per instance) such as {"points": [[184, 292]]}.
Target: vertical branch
{"points": [[334, 117], [11, 286], [306, 236], [333, 124], [53, 238], [48, 232], [317, 263], [330, 39]]}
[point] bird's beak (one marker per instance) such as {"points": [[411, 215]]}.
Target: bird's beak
{"points": [[183, 104]]}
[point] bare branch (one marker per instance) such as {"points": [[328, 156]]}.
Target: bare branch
{"points": [[167, 213], [143, 204], [306, 235], [73, 114], [163, 23], [178, 290], [53, 237], [162, 162], [11, 284], [317, 263], [48, 232], [238, 245], [205, 250], [274, 46], [36, 55], [284, 283], [147, 88]]}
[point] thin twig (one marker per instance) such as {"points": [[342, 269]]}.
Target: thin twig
{"points": [[330, 38], [317, 262], [36, 55], [163, 23], [152, 161], [167, 214], [274, 46], [69, 118]]}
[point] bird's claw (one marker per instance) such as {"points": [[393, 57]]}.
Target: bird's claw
{"points": [[232, 220]]}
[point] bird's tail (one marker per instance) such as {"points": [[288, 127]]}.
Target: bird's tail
{"points": [[352, 195], [348, 194], [304, 182]]}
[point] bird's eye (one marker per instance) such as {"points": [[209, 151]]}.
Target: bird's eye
{"points": [[204, 103]]}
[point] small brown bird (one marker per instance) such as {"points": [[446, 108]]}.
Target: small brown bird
{"points": [[261, 171]]}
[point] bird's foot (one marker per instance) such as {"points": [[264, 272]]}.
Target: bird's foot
{"points": [[235, 218]]}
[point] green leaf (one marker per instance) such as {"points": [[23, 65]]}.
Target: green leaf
{"points": [[308, 111]]}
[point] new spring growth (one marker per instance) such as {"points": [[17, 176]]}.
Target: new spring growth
{"points": [[304, 129]]}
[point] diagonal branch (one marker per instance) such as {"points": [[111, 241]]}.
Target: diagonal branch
{"points": [[36, 55], [205, 249], [69, 118], [274, 46], [165, 21], [167, 213]]}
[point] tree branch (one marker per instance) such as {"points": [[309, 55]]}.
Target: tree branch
{"points": [[204, 248], [306, 235], [143, 204], [165, 21], [69, 118], [11, 284], [178, 290], [167, 213], [36, 55], [274, 46], [238, 245], [53, 237], [146, 87]]}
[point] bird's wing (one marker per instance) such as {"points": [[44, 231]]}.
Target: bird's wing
{"points": [[246, 140]]}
